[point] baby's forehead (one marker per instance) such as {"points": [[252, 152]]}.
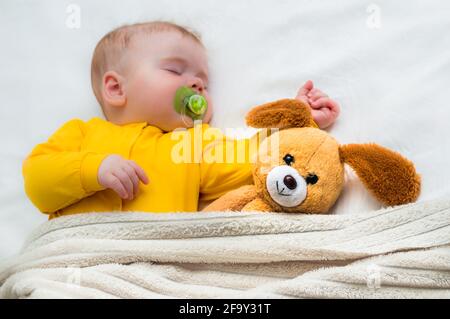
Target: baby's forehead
{"points": [[172, 44]]}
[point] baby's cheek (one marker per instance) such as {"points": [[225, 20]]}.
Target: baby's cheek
{"points": [[141, 91], [209, 112], [163, 95]]}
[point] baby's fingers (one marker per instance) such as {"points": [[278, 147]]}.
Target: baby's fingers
{"points": [[305, 88], [140, 172], [134, 178], [322, 117], [315, 95], [324, 112], [126, 182], [327, 103], [115, 184], [301, 94]]}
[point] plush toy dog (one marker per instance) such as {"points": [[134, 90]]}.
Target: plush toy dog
{"points": [[307, 174]]}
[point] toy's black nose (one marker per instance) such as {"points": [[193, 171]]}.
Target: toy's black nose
{"points": [[290, 182]]}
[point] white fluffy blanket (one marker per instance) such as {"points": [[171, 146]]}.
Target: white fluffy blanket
{"points": [[398, 252]]}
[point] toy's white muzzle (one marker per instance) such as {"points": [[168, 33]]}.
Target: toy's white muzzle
{"points": [[286, 186]]}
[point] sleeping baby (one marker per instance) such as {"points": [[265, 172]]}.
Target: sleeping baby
{"points": [[126, 161]]}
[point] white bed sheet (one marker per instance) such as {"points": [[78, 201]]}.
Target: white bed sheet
{"points": [[386, 62]]}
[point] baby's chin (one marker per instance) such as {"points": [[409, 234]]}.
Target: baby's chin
{"points": [[181, 122], [178, 122], [187, 122]]}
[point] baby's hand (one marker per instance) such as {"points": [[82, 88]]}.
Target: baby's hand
{"points": [[323, 109], [122, 176]]}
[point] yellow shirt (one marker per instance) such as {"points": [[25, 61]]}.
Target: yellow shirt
{"points": [[60, 175]]}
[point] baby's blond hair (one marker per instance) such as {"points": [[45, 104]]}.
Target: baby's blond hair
{"points": [[112, 46]]}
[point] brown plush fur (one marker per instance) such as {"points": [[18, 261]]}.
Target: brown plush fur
{"points": [[234, 200], [315, 152], [258, 204], [390, 177], [281, 114]]}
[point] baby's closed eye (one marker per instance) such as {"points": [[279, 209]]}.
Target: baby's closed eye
{"points": [[173, 71]]}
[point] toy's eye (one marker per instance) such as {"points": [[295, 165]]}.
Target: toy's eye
{"points": [[311, 178], [288, 159]]}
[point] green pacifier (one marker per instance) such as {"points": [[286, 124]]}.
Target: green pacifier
{"points": [[188, 102]]}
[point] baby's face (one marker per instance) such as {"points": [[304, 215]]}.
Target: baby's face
{"points": [[156, 66]]}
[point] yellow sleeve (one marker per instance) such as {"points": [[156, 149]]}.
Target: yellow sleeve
{"points": [[57, 174], [226, 165]]}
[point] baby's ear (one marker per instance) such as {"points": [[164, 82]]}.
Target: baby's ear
{"points": [[388, 175], [281, 114]]}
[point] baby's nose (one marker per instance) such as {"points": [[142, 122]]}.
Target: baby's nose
{"points": [[197, 88]]}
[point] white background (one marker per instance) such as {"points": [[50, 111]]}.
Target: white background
{"points": [[386, 62]]}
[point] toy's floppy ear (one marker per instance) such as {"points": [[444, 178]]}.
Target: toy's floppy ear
{"points": [[387, 174], [281, 114]]}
